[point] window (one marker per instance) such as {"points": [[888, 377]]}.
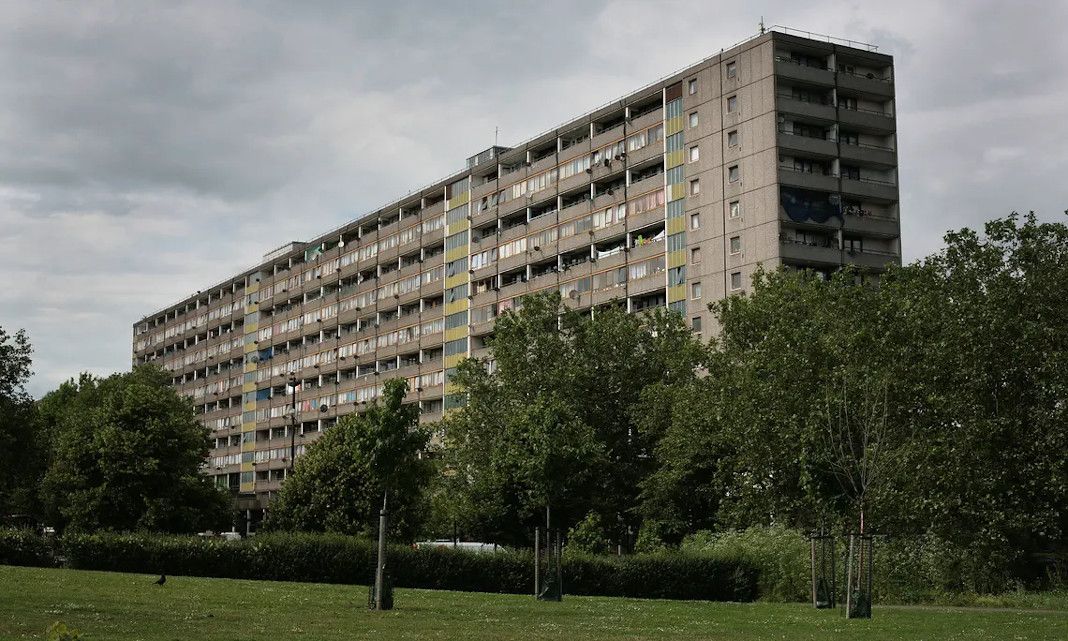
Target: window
{"points": [[851, 171], [733, 174], [736, 244], [695, 187], [732, 138], [695, 291], [732, 104], [695, 324], [849, 138], [695, 153], [693, 86], [695, 255], [847, 102], [735, 209], [693, 119], [695, 221], [736, 281], [732, 69]]}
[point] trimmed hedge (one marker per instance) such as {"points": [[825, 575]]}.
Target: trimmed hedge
{"points": [[25, 547], [329, 558]]}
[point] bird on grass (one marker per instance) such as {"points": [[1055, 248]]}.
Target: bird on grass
{"points": [[161, 580]]}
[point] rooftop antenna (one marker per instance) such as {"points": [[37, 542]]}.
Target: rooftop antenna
{"points": [[761, 25], [496, 130]]}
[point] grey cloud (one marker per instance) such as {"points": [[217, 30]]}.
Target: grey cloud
{"points": [[150, 149]]}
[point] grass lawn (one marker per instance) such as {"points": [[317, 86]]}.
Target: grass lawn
{"points": [[105, 605]]}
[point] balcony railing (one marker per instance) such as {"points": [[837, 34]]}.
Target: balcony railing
{"points": [[869, 75], [805, 135], [867, 145], [864, 110], [874, 181], [815, 100], [801, 63]]}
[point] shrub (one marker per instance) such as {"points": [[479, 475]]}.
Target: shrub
{"points": [[60, 632], [589, 536], [329, 558], [24, 547], [781, 555]]}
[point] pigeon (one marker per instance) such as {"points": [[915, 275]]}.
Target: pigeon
{"points": [[161, 580]]}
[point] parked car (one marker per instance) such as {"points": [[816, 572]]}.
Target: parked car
{"points": [[468, 546]]}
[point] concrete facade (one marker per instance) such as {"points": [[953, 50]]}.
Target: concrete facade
{"points": [[780, 151]]}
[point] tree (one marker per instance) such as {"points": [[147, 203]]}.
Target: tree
{"points": [[955, 377], [552, 427], [339, 483], [127, 453], [22, 450]]}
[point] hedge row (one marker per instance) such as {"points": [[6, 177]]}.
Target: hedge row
{"points": [[329, 558], [24, 547]]}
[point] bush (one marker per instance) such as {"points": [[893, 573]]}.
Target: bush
{"points": [[914, 569], [24, 547], [589, 536], [329, 558], [781, 555]]}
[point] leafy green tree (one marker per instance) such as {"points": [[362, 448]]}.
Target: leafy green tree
{"points": [[957, 362], [339, 483], [551, 428], [127, 453], [22, 450]]}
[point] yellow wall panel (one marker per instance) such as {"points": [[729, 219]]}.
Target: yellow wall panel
{"points": [[676, 259], [462, 199], [455, 333], [456, 253], [458, 306]]}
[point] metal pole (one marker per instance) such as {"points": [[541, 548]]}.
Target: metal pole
{"points": [[537, 561], [381, 570], [812, 543], [849, 580]]}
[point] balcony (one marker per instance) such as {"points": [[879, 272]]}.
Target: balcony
{"points": [[870, 188], [645, 185], [873, 258], [867, 119], [822, 110], [798, 252], [789, 68], [608, 136], [647, 284], [805, 180], [484, 189], [807, 144], [574, 182], [575, 150], [868, 83], [869, 154]]}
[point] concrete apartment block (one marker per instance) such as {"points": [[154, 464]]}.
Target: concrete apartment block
{"points": [[780, 151]]}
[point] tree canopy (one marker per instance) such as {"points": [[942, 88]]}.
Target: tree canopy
{"points": [[22, 447], [127, 452], [338, 483], [553, 422], [962, 356]]}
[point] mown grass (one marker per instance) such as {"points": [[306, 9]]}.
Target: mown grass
{"points": [[106, 605]]}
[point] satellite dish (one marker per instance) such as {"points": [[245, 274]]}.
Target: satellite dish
{"points": [[324, 408], [573, 294]]}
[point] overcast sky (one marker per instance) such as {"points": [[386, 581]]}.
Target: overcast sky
{"points": [[148, 150]]}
